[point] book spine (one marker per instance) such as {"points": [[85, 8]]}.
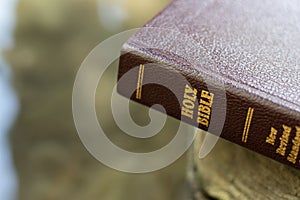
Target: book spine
{"points": [[250, 121]]}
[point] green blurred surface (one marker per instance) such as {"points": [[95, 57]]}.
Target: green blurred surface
{"points": [[52, 39]]}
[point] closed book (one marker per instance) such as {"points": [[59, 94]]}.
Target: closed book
{"points": [[227, 67]]}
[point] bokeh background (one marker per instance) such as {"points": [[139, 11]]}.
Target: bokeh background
{"points": [[43, 44]]}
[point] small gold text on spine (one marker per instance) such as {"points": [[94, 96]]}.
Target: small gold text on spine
{"points": [[272, 137], [284, 140], [188, 103], [292, 157], [204, 109]]}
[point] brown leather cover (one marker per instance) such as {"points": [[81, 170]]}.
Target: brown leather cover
{"points": [[251, 47]]}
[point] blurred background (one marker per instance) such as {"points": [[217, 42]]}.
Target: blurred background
{"points": [[42, 44]]}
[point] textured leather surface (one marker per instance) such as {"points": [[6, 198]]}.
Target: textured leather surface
{"points": [[250, 46]]}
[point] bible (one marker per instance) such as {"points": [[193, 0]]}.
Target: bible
{"points": [[233, 64]]}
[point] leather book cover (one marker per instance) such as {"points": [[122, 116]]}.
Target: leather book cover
{"points": [[222, 62]]}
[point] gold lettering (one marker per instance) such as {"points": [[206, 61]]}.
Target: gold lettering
{"points": [[203, 115], [188, 103], [204, 102], [202, 121], [295, 148], [284, 139], [189, 93], [208, 96], [204, 108], [187, 112], [272, 137]]}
